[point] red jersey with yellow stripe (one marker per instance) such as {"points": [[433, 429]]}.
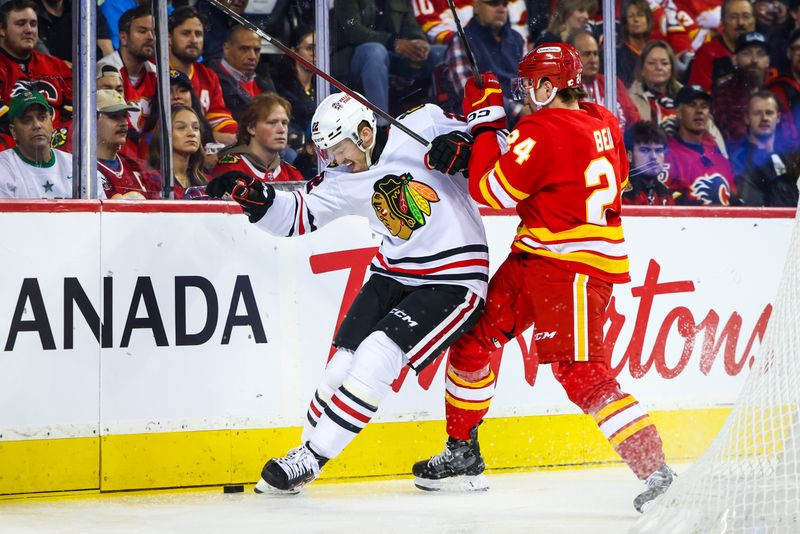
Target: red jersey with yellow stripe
{"points": [[564, 171], [206, 86]]}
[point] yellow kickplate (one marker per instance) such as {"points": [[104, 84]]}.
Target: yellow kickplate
{"points": [[45, 465]]}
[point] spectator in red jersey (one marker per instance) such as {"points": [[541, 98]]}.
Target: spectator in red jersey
{"points": [[186, 30], [237, 69], [593, 80], [646, 145], [656, 84], [636, 27], [787, 87], [123, 178], [263, 134], [713, 59], [730, 96], [569, 16], [23, 68], [698, 170], [766, 169], [136, 48], [187, 151]]}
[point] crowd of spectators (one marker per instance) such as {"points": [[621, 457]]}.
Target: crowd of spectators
{"points": [[708, 93]]}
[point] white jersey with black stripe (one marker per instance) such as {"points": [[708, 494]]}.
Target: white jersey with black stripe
{"points": [[432, 230]]}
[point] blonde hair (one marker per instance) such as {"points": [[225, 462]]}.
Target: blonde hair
{"points": [[258, 109]]}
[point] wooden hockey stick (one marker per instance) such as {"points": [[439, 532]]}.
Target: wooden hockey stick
{"points": [[475, 72], [292, 54]]}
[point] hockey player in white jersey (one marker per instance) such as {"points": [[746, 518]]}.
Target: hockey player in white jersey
{"points": [[428, 279]]}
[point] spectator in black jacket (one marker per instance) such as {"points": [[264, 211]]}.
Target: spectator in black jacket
{"points": [[237, 70], [766, 173]]}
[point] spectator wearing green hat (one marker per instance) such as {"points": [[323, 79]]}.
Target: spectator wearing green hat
{"points": [[32, 169]]}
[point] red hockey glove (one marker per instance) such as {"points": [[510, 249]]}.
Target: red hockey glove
{"points": [[449, 152], [255, 197], [484, 107]]}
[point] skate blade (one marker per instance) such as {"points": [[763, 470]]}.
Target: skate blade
{"points": [[454, 484], [262, 488]]}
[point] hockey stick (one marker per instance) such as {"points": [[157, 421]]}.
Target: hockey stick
{"points": [[292, 54], [475, 73]]}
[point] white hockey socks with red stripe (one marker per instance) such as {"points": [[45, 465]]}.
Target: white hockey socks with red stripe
{"points": [[375, 365], [332, 379]]}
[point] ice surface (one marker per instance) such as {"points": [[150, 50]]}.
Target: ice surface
{"points": [[597, 500]]}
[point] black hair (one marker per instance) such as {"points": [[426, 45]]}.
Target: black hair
{"points": [[15, 5], [182, 14], [124, 24], [644, 132]]}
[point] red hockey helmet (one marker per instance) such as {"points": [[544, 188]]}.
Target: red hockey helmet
{"points": [[558, 62]]}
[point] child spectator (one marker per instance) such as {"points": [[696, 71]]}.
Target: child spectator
{"points": [[263, 133], [646, 145], [187, 151]]}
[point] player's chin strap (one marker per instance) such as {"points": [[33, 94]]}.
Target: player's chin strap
{"points": [[540, 105]]}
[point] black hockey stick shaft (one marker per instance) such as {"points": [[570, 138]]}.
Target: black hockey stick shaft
{"points": [[475, 72], [292, 54]]}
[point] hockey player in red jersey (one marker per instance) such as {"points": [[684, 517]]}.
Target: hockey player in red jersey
{"points": [[428, 279], [563, 170]]}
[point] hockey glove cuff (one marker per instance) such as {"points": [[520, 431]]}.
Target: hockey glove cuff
{"points": [[450, 152], [255, 197], [484, 108]]}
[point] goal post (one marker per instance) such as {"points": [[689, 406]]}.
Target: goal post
{"points": [[748, 481]]}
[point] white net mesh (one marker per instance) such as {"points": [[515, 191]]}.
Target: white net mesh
{"points": [[748, 481]]}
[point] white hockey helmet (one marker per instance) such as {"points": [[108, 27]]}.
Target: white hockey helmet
{"points": [[337, 118]]}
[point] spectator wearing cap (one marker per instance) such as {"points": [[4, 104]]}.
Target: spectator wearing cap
{"points": [[55, 29], [237, 69], [32, 169], [108, 77], [698, 170], [765, 167], [186, 33], [713, 59], [731, 94], [646, 145], [133, 61], [22, 67], [123, 178], [787, 86]]}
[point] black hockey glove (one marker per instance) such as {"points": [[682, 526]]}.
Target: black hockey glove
{"points": [[450, 152], [255, 197]]}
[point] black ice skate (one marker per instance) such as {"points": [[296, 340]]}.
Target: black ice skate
{"points": [[459, 467], [288, 474], [657, 483]]}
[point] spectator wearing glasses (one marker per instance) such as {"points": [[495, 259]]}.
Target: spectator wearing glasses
{"points": [[655, 83], [636, 27], [730, 96], [186, 33], [32, 169], [593, 81], [496, 46], [787, 87], [646, 145], [698, 170], [766, 168], [713, 59]]}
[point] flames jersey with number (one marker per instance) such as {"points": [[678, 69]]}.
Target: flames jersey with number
{"points": [[206, 86], [564, 171], [436, 19], [431, 230]]}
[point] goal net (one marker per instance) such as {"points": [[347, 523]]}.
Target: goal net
{"points": [[748, 481]]}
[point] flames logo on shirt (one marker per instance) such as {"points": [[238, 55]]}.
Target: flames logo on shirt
{"points": [[401, 203], [712, 189]]}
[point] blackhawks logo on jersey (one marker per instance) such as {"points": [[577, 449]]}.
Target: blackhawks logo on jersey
{"points": [[229, 158], [401, 203], [59, 138]]}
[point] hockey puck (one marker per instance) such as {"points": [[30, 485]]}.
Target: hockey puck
{"points": [[237, 488]]}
